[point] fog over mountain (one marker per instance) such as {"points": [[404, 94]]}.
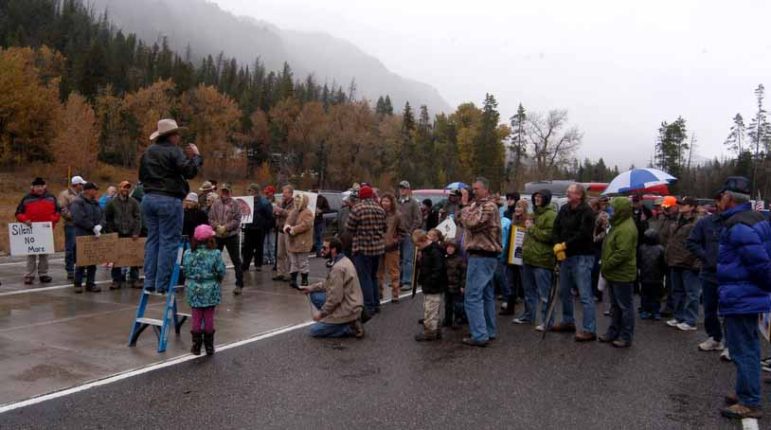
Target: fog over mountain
{"points": [[207, 29]]}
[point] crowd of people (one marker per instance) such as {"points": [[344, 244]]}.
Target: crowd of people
{"points": [[677, 255]]}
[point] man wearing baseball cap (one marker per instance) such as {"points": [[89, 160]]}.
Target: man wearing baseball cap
{"points": [[686, 288], [667, 219], [164, 170], [65, 199], [122, 216], [744, 279], [38, 206], [88, 219]]}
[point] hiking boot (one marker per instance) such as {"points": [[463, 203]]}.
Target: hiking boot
{"points": [[78, 289], [304, 279], [471, 342], [621, 343], [730, 399], [740, 412], [585, 336], [358, 329], [237, 291], [91, 288], [45, 279], [28, 280], [427, 336], [725, 356], [563, 328], [686, 327], [293, 281], [197, 341], [208, 342], [711, 345], [114, 285]]}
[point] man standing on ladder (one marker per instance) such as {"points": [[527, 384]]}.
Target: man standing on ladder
{"points": [[164, 170]]}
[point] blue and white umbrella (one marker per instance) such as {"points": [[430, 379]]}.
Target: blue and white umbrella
{"points": [[638, 180], [456, 186]]}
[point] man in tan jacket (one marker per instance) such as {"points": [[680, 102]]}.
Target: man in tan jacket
{"points": [[338, 300]]}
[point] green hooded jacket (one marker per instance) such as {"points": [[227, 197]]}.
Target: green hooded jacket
{"points": [[619, 251], [538, 247]]}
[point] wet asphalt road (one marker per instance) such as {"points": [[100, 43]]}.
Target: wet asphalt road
{"points": [[387, 380]]}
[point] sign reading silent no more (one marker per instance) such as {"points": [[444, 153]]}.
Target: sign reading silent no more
{"points": [[36, 239]]}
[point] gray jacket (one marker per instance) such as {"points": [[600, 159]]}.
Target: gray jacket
{"points": [[122, 216], [409, 212]]}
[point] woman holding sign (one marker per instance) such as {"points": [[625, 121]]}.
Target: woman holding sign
{"points": [[38, 206]]}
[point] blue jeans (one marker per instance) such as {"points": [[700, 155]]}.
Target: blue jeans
{"points": [[686, 291], [322, 329], [741, 336], [407, 252], [576, 271], [366, 270], [711, 321], [269, 250], [69, 248], [318, 235], [479, 300], [621, 311], [537, 282], [163, 217]]}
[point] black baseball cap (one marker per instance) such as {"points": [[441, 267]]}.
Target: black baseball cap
{"points": [[90, 186], [737, 184]]}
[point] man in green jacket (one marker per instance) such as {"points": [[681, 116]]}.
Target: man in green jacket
{"points": [[619, 267], [538, 256]]}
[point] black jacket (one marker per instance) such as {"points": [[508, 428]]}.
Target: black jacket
{"points": [[456, 273], [575, 227], [193, 218], [262, 219], [650, 259], [704, 243], [164, 169], [433, 274]]}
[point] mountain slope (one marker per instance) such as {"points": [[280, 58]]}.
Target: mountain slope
{"points": [[208, 29]]}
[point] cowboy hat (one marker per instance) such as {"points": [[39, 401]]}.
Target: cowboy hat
{"points": [[166, 127]]}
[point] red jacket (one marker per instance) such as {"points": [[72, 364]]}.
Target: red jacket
{"points": [[38, 208]]}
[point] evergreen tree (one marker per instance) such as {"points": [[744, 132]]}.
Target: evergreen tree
{"points": [[671, 147], [736, 139], [518, 145], [488, 147], [388, 107]]}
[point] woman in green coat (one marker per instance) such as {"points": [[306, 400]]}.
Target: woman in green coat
{"points": [[619, 267]]}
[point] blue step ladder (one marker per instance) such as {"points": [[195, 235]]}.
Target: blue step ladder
{"points": [[171, 317]]}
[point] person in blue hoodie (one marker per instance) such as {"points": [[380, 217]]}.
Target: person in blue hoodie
{"points": [[744, 279]]}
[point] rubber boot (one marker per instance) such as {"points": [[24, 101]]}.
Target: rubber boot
{"points": [[293, 280], [304, 281], [208, 342], [197, 341]]}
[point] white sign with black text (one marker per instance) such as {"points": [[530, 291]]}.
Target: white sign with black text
{"points": [[36, 239]]}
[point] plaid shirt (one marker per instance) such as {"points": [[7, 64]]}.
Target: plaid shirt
{"points": [[367, 225]]}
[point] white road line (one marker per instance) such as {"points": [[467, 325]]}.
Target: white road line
{"points": [[155, 366], [56, 287]]}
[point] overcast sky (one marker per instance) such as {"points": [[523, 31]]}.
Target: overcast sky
{"points": [[618, 67]]}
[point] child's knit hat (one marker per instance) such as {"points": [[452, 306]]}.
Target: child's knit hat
{"points": [[203, 233]]}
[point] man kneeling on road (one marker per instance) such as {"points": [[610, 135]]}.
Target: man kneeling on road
{"points": [[338, 300]]}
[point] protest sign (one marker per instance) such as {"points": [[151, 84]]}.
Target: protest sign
{"points": [[36, 239], [246, 206], [516, 240], [129, 252], [92, 250], [448, 228]]}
